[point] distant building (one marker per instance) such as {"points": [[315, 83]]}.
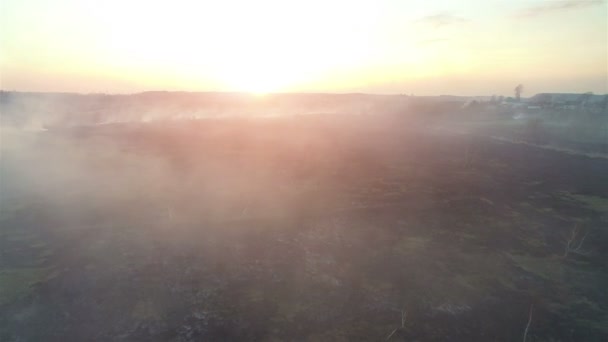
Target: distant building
{"points": [[568, 101]]}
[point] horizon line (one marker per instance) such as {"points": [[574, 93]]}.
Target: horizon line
{"points": [[267, 94]]}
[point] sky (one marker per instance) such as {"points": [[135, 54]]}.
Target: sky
{"points": [[374, 46]]}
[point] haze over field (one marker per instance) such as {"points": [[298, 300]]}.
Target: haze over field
{"points": [[387, 46], [387, 170]]}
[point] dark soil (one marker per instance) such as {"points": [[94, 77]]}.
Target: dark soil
{"points": [[322, 228]]}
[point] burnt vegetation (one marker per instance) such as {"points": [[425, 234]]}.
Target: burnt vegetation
{"points": [[418, 219]]}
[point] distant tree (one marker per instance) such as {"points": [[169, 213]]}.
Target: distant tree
{"points": [[518, 90]]}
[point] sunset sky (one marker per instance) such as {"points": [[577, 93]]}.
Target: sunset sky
{"points": [[380, 46]]}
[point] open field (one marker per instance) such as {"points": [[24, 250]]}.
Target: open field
{"points": [[318, 228], [304, 171]]}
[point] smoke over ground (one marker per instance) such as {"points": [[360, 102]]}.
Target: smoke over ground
{"points": [[324, 226]]}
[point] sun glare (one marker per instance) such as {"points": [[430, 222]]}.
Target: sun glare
{"points": [[255, 82], [258, 75]]}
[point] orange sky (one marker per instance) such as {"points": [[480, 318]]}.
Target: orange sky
{"points": [[387, 46]]}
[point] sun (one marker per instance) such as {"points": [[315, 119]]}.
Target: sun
{"points": [[256, 84], [257, 77]]}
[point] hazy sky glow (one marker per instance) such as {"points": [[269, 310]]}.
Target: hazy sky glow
{"points": [[378, 46]]}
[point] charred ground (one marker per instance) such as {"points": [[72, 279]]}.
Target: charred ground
{"points": [[318, 227]]}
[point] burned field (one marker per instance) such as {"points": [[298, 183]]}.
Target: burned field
{"points": [[317, 228]]}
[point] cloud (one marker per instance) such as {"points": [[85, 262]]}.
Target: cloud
{"points": [[442, 19], [557, 6]]}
